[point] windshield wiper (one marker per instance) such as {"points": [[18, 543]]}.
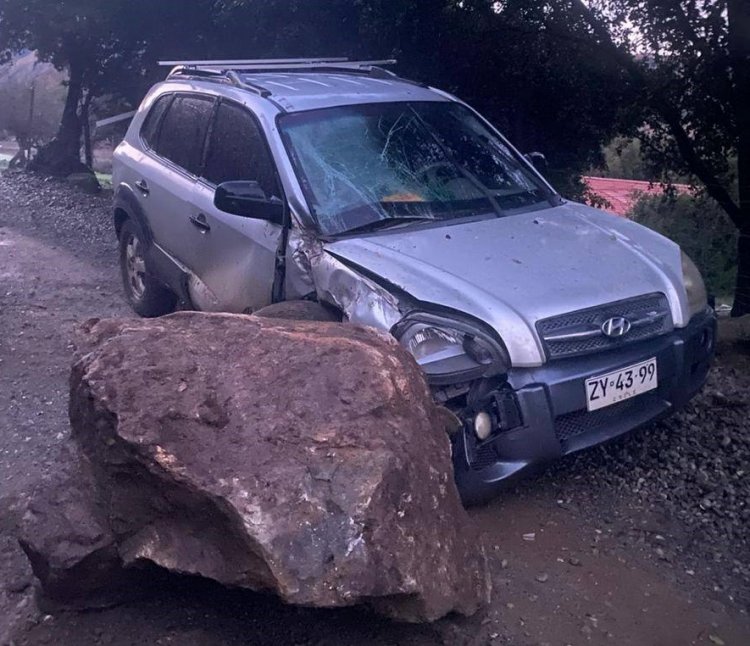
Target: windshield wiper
{"points": [[545, 196], [386, 223]]}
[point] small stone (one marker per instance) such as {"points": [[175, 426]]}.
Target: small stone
{"points": [[574, 561], [543, 577], [504, 564], [531, 536], [715, 639]]}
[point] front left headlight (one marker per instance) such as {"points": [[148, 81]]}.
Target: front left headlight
{"points": [[694, 285], [450, 350]]}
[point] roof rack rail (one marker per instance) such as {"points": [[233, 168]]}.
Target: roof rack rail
{"points": [[235, 79], [284, 63], [257, 61], [228, 69]]}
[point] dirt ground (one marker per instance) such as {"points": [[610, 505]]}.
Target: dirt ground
{"points": [[577, 556]]}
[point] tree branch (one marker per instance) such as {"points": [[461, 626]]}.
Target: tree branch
{"points": [[668, 112]]}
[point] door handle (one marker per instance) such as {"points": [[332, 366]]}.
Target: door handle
{"points": [[142, 186], [200, 223]]}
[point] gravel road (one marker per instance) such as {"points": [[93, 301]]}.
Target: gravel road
{"points": [[644, 541]]}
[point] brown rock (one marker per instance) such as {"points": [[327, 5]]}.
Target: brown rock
{"points": [[307, 459], [299, 311], [64, 533]]}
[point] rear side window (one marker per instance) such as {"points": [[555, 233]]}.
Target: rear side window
{"points": [[150, 126], [237, 151], [183, 131]]}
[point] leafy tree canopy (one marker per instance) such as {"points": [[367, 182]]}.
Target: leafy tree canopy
{"points": [[531, 68], [690, 62]]}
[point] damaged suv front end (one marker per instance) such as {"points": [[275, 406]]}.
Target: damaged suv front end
{"points": [[545, 326]]}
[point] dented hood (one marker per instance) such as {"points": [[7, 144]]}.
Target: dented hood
{"points": [[513, 271]]}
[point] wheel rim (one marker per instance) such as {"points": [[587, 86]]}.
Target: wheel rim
{"points": [[135, 266]]}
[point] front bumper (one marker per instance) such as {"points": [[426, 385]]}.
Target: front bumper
{"points": [[552, 403]]}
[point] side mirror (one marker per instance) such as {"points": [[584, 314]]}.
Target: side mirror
{"points": [[247, 199], [537, 160]]}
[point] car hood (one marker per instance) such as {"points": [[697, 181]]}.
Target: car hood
{"points": [[513, 271]]}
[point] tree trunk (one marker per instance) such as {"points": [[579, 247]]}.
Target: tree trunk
{"points": [[742, 291], [19, 159], [85, 114], [739, 53], [62, 155]]}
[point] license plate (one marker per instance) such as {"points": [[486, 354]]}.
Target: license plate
{"points": [[606, 390]]}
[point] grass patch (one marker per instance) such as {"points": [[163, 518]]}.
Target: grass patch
{"points": [[105, 180]]}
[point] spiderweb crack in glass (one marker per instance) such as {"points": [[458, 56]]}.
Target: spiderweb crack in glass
{"points": [[432, 160]]}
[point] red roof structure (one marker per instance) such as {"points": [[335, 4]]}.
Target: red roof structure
{"points": [[622, 194]]}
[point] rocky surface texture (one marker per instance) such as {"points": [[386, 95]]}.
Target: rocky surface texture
{"points": [[692, 470], [305, 459], [64, 532]]}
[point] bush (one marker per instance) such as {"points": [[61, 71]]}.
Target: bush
{"points": [[701, 228]]}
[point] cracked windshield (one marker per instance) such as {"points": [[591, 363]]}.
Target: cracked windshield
{"points": [[370, 165]]}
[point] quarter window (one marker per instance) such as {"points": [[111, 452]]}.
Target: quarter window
{"points": [[237, 151], [150, 126], [183, 131]]}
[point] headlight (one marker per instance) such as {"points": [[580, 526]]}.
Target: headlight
{"points": [[694, 285], [449, 350]]}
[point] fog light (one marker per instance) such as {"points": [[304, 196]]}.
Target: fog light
{"points": [[483, 425]]}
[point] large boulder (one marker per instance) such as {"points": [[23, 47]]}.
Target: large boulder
{"points": [[305, 459]]}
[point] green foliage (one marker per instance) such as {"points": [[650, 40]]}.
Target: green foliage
{"points": [[529, 66], [701, 228], [681, 49], [623, 159]]}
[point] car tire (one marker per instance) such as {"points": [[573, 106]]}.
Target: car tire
{"points": [[146, 295]]}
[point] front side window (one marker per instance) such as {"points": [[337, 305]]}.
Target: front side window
{"points": [[183, 131], [427, 160], [237, 151]]}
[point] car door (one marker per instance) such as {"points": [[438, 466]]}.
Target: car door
{"points": [[168, 182], [235, 260]]}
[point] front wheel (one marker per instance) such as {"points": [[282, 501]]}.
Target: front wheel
{"points": [[144, 293]]}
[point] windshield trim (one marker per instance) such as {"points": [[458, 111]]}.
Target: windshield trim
{"points": [[551, 197]]}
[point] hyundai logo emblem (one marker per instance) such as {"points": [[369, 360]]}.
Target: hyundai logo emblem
{"points": [[616, 327]]}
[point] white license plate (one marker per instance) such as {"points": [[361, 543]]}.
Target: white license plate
{"points": [[606, 390]]}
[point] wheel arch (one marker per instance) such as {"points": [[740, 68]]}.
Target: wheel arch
{"points": [[127, 207]]}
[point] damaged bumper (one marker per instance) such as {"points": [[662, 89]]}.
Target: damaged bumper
{"points": [[554, 420]]}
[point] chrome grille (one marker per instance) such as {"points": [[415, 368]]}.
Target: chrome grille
{"points": [[580, 332]]}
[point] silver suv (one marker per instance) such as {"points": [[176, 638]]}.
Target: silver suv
{"points": [[544, 325]]}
